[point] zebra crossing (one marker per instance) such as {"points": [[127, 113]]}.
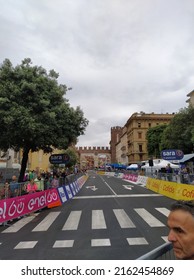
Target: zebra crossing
{"points": [[98, 221]]}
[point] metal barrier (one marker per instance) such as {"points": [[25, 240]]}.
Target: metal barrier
{"points": [[163, 252]]}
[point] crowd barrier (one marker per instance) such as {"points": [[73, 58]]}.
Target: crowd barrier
{"points": [[163, 252], [174, 190], [12, 208]]}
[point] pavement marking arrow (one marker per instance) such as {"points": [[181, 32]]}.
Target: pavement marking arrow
{"points": [[93, 188], [128, 187]]}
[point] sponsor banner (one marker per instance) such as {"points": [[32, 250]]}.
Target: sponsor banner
{"points": [[109, 173], [72, 189], [18, 206], [142, 180], [130, 177], [82, 180], [68, 191], [62, 194], [171, 189]]}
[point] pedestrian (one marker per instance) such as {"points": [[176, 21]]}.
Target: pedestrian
{"points": [[14, 187], [181, 226], [55, 181], [32, 187]]}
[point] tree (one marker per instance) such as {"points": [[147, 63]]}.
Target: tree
{"points": [[179, 134], [153, 137], [33, 111], [73, 155]]}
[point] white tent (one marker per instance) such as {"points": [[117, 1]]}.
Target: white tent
{"points": [[132, 166], [164, 163]]}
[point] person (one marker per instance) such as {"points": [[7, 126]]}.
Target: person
{"points": [[14, 187], [39, 182], [55, 181], [31, 187], [181, 229], [169, 172], [6, 191]]}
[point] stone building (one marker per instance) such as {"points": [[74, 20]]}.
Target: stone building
{"points": [[128, 143], [190, 100], [137, 127], [92, 157]]}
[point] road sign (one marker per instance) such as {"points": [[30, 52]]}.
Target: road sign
{"points": [[59, 159], [172, 154]]}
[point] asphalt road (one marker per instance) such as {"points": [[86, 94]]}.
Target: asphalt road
{"points": [[109, 219]]}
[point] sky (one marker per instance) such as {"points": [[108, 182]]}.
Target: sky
{"points": [[118, 56]]}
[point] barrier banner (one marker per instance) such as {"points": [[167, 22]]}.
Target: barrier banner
{"points": [[171, 189], [18, 206], [130, 177]]}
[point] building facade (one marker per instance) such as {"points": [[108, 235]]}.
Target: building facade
{"points": [[137, 127], [190, 100], [93, 157], [116, 133]]}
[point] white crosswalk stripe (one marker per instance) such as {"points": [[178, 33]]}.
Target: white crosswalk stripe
{"points": [[98, 221], [123, 219], [72, 221], [46, 222], [164, 211], [149, 218], [20, 224]]}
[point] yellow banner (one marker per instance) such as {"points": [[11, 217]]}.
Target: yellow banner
{"points": [[171, 189]]}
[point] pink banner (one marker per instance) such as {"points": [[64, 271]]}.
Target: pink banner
{"points": [[18, 206], [130, 177]]}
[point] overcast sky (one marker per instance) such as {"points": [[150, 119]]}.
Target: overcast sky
{"points": [[119, 56]]}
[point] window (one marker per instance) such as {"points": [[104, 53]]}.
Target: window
{"points": [[140, 148], [139, 135]]}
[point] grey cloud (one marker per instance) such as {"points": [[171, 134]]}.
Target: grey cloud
{"points": [[119, 56]]}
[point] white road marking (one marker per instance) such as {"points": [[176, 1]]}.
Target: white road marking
{"points": [[123, 219], [72, 221], [26, 245], [116, 196], [98, 220], [19, 224], [100, 242], [46, 222], [63, 243], [149, 218], [164, 211], [137, 241]]}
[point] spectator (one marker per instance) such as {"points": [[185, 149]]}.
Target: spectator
{"points": [[181, 225], [5, 193], [55, 181], [14, 186], [32, 186]]}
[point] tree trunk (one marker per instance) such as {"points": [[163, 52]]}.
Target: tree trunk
{"points": [[24, 164]]}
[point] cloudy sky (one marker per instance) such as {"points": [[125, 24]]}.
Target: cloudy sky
{"points": [[119, 56]]}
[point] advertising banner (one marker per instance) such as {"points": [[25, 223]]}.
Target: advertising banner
{"points": [[171, 189], [21, 205]]}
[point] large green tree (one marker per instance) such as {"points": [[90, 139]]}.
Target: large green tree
{"points": [[179, 134], [34, 113], [153, 136]]}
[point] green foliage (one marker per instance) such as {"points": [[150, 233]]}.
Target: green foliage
{"points": [[153, 137], [33, 111], [73, 157], [179, 134]]}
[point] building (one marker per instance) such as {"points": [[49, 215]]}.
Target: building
{"points": [[122, 148], [116, 133], [137, 127], [93, 157], [190, 100]]}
